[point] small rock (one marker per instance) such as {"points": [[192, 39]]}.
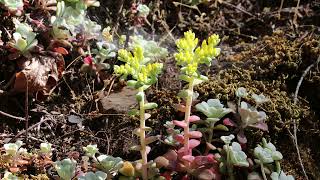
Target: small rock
{"points": [[120, 102]]}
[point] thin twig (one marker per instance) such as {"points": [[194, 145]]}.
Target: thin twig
{"points": [[26, 107], [12, 116], [236, 7], [279, 12], [296, 11], [295, 100], [188, 6], [31, 127]]}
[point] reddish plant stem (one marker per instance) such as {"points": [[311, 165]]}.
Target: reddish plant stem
{"points": [[186, 119]]}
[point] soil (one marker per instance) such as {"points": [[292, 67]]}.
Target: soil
{"points": [[261, 51]]}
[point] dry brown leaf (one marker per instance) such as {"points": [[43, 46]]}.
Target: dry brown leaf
{"points": [[39, 74]]}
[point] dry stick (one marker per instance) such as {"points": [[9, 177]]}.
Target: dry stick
{"points": [[31, 127], [296, 12], [294, 136], [76, 59], [280, 8], [115, 29], [26, 107], [12, 116], [231, 5], [188, 6]]}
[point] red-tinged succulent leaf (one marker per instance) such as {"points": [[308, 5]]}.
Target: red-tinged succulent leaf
{"points": [[61, 50], [193, 143], [188, 158], [203, 160], [194, 118], [88, 60], [261, 125], [179, 138], [241, 137], [182, 153], [195, 134], [243, 146], [179, 123], [229, 122]]}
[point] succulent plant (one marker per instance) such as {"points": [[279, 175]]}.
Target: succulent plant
{"points": [[15, 6], [227, 139], [247, 116], [12, 148], [259, 99], [45, 148], [137, 66], [91, 150], [152, 51], [110, 164], [99, 175], [144, 74], [267, 153], [241, 92], [143, 10], [231, 156], [9, 176], [66, 168], [24, 37], [237, 156], [190, 56], [214, 111], [250, 116], [280, 176], [71, 20], [96, 63]]}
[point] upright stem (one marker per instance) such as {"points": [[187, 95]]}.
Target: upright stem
{"points": [[186, 119], [278, 168], [229, 164], [209, 141], [262, 172], [143, 150]]}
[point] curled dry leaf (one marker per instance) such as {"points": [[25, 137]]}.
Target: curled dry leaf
{"points": [[39, 73]]}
